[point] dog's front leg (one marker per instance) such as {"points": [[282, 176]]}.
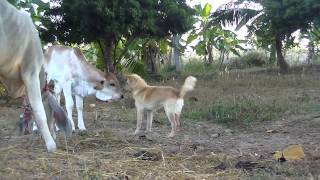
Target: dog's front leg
{"points": [[139, 121], [149, 121], [177, 120]]}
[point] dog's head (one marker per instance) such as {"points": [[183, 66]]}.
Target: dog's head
{"points": [[134, 81]]}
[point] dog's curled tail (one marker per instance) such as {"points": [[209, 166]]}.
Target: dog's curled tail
{"points": [[188, 85]]}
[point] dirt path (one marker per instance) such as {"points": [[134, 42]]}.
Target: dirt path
{"points": [[108, 150]]}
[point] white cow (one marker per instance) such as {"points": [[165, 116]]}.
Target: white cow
{"points": [[21, 59], [73, 75]]}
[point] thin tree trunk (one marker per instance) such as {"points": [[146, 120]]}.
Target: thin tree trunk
{"points": [[150, 58], [311, 51], [272, 58], [221, 59], [284, 67], [175, 52], [210, 55], [109, 46]]}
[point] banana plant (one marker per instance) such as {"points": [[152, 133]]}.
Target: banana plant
{"points": [[313, 36], [210, 37]]}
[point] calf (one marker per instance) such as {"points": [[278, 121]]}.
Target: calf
{"points": [[73, 75]]}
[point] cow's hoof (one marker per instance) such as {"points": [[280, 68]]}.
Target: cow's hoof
{"points": [[82, 129], [171, 135], [148, 131], [36, 131], [51, 147], [83, 132], [136, 132]]}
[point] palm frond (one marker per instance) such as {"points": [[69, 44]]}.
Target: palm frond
{"points": [[233, 14]]}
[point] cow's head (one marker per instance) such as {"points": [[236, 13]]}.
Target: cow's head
{"points": [[108, 88]]}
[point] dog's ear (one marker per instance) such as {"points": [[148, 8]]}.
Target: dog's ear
{"points": [[130, 78]]}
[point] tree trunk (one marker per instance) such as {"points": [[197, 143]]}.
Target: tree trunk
{"points": [[311, 51], [175, 52], [210, 55], [272, 58], [109, 46], [221, 59], [284, 67], [150, 58]]}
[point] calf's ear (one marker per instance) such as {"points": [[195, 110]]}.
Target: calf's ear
{"points": [[99, 85]]}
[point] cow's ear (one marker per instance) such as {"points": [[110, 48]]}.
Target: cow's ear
{"points": [[98, 85]]}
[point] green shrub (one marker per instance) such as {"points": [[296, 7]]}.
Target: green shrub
{"points": [[249, 59], [197, 67]]}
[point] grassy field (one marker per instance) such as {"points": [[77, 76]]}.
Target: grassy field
{"points": [[232, 123]]}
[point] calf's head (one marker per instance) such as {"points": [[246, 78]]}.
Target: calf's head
{"points": [[108, 88]]}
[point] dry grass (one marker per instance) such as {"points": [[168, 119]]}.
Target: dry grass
{"points": [[109, 151]]}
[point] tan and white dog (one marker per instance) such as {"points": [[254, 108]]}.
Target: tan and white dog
{"points": [[150, 98]]}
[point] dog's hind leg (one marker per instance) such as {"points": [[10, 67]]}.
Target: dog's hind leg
{"points": [[177, 120], [149, 121], [171, 117]]}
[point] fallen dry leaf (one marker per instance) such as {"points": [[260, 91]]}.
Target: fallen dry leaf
{"points": [[293, 152], [271, 131]]}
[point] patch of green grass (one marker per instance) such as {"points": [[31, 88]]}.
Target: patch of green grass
{"points": [[197, 67], [241, 111], [194, 67], [244, 111]]}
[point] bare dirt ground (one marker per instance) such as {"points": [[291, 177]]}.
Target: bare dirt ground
{"points": [[205, 149]]}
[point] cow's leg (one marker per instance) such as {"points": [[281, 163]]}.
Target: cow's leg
{"points": [[79, 105], [34, 95], [49, 114], [58, 95], [58, 98], [69, 101], [34, 127]]}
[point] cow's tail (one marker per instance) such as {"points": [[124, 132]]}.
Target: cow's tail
{"points": [[188, 85], [59, 115]]}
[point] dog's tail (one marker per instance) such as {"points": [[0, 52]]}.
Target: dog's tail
{"points": [[59, 115], [188, 85]]}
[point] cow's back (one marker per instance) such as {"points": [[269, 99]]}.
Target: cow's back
{"points": [[20, 49], [66, 63], [59, 64]]}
